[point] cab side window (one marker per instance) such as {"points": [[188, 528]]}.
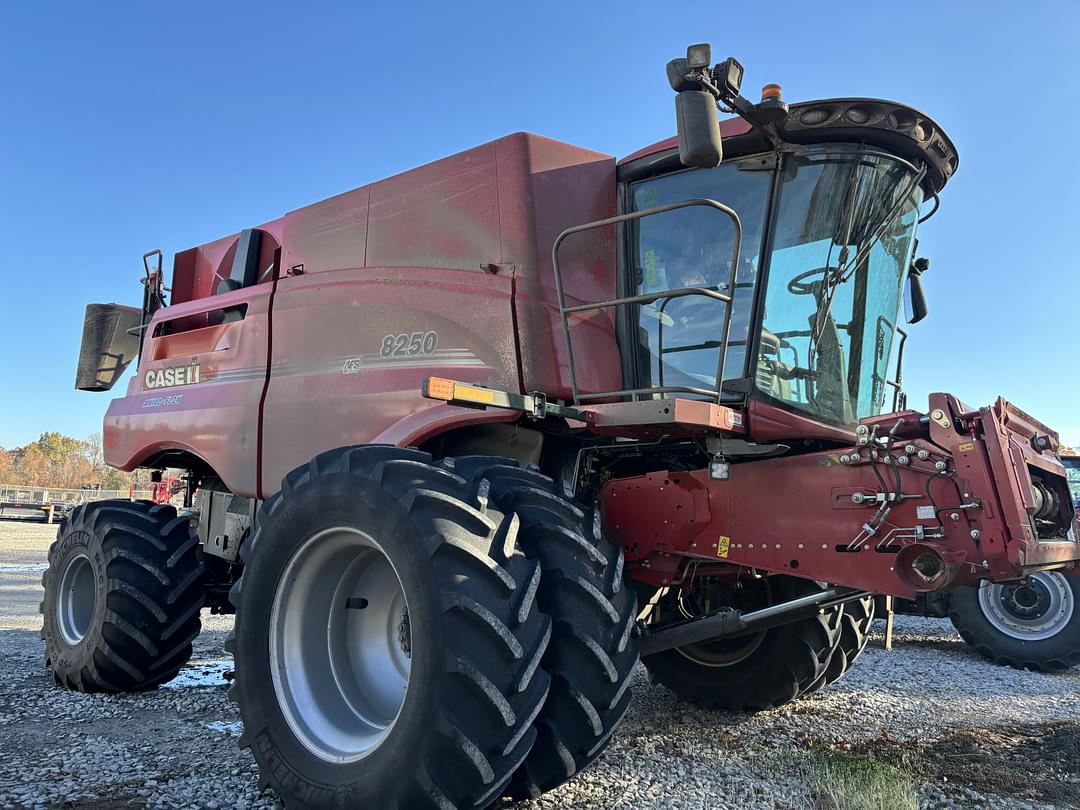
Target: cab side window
{"points": [[680, 338]]}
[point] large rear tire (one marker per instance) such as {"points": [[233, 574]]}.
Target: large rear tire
{"points": [[757, 671], [1032, 626], [123, 592], [593, 648], [388, 639]]}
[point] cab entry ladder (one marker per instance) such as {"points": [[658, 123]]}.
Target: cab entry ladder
{"points": [[678, 292]]}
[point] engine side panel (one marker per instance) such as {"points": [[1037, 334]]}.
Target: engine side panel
{"points": [[351, 349]]}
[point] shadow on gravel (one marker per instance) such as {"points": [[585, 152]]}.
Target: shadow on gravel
{"points": [[1039, 763]]}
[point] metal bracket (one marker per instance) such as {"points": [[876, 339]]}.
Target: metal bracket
{"points": [[535, 405], [666, 416]]}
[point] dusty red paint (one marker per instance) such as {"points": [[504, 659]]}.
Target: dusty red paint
{"points": [[460, 247], [795, 515]]}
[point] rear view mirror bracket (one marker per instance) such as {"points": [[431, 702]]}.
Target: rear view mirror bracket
{"points": [[915, 304], [701, 89]]}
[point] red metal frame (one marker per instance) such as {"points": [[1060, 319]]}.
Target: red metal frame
{"points": [[297, 364], [798, 514], [459, 247]]}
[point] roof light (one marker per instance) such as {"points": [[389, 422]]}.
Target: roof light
{"points": [[770, 91]]}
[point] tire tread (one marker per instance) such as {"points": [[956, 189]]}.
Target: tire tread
{"points": [[154, 594], [581, 587], [493, 663]]}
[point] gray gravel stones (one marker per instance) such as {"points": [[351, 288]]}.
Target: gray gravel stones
{"points": [[177, 746]]}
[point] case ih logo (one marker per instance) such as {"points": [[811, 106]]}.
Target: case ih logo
{"points": [[168, 377]]}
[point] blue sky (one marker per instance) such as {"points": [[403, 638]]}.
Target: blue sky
{"points": [[125, 127]]}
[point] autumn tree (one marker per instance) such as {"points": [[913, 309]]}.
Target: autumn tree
{"points": [[7, 466], [60, 461], [95, 453]]}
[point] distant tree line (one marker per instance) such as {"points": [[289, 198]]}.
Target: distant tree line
{"points": [[59, 461]]}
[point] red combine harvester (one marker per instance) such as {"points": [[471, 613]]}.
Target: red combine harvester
{"points": [[164, 488], [468, 441]]}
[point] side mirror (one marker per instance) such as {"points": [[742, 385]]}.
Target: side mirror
{"points": [[915, 307], [695, 109], [700, 145]]}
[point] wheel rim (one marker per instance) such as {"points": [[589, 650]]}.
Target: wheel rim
{"points": [[731, 651], [76, 599], [1034, 611], [340, 644]]}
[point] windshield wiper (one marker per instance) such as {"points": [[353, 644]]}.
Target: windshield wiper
{"points": [[833, 280]]}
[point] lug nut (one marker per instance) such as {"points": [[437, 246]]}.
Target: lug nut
{"points": [[924, 455], [909, 449], [902, 460], [940, 466]]}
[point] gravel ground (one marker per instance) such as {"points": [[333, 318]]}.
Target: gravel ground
{"points": [[964, 732]]}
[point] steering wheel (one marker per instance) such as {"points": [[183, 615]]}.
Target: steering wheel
{"points": [[799, 286], [687, 309], [691, 308], [654, 312]]}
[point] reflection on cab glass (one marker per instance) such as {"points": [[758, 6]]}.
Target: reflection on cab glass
{"points": [[693, 247], [843, 240], [1072, 475]]}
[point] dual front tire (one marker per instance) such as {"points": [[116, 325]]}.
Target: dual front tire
{"points": [[403, 641]]}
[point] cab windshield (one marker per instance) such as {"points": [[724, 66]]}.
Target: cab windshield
{"points": [[840, 243], [1072, 475]]}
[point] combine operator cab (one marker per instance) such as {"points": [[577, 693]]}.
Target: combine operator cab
{"points": [[764, 272], [763, 266], [1072, 472]]}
